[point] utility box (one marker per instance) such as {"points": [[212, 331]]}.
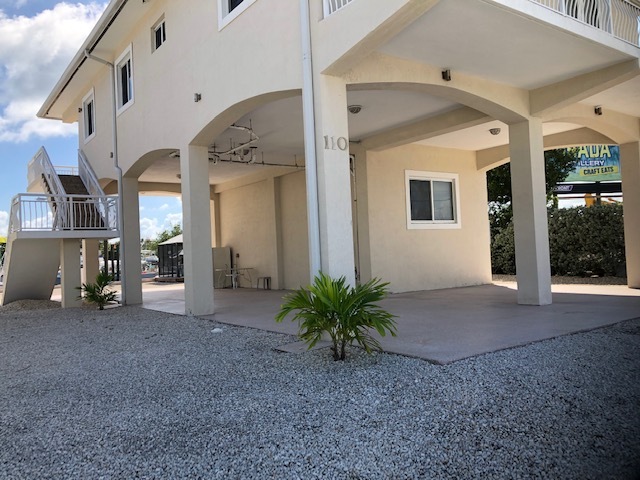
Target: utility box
{"points": [[221, 266]]}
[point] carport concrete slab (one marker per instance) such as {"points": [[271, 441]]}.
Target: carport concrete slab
{"points": [[440, 326]]}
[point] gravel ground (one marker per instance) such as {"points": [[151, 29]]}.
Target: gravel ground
{"points": [[132, 393]]}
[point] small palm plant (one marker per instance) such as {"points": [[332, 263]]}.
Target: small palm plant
{"points": [[98, 292], [347, 314]]}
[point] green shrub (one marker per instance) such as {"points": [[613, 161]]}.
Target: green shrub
{"points": [[98, 292], [582, 241], [347, 314]]}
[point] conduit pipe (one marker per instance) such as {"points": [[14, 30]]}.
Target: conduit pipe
{"points": [[123, 261], [308, 113]]}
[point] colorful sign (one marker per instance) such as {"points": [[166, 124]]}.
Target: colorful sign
{"points": [[597, 163]]}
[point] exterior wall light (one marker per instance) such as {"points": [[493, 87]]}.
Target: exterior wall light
{"points": [[598, 110], [197, 97], [446, 75], [355, 109], [494, 131]]}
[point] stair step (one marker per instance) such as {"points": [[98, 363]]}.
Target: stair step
{"points": [[73, 185]]}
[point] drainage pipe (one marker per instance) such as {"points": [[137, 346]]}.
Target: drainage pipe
{"points": [[308, 112], [123, 272]]}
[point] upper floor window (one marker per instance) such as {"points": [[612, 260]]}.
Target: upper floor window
{"points": [[124, 80], [230, 9], [89, 116], [158, 34], [432, 200]]}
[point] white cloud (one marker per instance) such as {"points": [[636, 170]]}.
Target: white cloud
{"points": [[149, 228], [34, 51], [172, 219], [164, 206], [4, 223]]}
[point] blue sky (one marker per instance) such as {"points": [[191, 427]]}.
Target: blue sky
{"points": [[37, 40]]}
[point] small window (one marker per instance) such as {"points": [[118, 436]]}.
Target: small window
{"points": [[432, 200], [124, 79], [233, 4], [159, 34], [89, 116], [231, 9]]}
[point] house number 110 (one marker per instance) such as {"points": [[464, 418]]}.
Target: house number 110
{"points": [[331, 143]]}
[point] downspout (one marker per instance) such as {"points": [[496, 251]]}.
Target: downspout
{"points": [[123, 276], [308, 113]]}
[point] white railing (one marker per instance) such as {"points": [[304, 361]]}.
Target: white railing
{"points": [[50, 213], [332, 6], [625, 18], [88, 176], [41, 168], [618, 17], [65, 170]]}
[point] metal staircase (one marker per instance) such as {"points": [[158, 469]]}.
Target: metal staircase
{"points": [[71, 205]]}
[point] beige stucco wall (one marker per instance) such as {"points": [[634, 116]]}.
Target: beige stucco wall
{"points": [[245, 226], [295, 238], [195, 59], [432, 258]]}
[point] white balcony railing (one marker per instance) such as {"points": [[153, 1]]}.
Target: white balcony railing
{"points": [[617, 17], [55, 213]]}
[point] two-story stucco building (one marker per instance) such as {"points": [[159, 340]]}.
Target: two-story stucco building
{"points": [[351, 136]]}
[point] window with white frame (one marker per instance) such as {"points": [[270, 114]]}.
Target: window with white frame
{"points": [[432, 200], [124, 80], [89, 116], [230, 9], [158, 34]]}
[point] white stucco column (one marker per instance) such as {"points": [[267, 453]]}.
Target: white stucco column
{"points": [[90, 264], [131, 271], [70, 272], [196, 226], [530, 212], [630, 167], [334, 177]]}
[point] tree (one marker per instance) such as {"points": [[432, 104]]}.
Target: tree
{"points": [[163, 237], [557, 166]]}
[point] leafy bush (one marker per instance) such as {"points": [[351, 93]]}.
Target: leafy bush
{"points": [[503, 251], [98, 292], [587, 240], [582, 241], [346, 314]]}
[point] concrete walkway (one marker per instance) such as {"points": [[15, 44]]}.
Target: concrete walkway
{"points": [[440, 326]]}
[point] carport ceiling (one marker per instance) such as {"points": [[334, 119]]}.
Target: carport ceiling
{"points": [[493, 42], [280, 127]]}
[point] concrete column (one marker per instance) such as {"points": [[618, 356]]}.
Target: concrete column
{"points": [[130, 262], [90, 264], [196, 225], [334, 177], [630, 167], [530, 213], [275, 225], [70, 272]]}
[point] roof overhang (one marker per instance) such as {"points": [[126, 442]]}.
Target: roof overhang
{"points": [[118, 19]]}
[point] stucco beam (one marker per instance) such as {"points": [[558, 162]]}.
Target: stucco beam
{"points": [[619, 127], [448, 122], [490, 158], [159, 188], [365, 28], [499, 101], [578, 88], [267, 173]]}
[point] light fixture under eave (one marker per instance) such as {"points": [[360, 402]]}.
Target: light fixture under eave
{"points": [[494, 131], [597, 110], [354, 109]]}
